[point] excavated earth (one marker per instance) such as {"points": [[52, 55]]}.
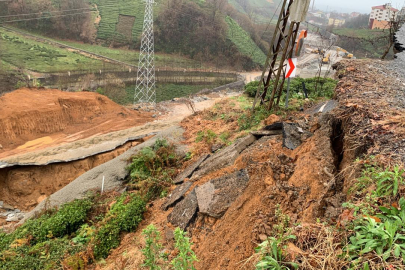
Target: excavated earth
{"points": [[227, 200], [32, 119]]}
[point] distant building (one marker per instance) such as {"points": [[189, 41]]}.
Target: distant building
{"points": [[354, 14], [381, 16], [336, 22]]}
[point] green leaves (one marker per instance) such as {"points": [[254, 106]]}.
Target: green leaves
{"points": [[388, 181], [186, 256]]}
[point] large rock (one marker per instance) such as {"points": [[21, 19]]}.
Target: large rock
{"points": [[184, 212], [189, 170], [291, 136], [177, 195], [223, 158], [215, 196]]}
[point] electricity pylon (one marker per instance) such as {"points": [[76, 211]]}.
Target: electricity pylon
{"points": [[145, 91]]}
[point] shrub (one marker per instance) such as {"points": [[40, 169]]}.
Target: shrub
{"points": [[153, 168], [124, 216]]}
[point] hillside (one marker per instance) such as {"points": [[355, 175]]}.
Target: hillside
{"points": [[198, 30], [121, 20], [363, 43], [244, 43]]}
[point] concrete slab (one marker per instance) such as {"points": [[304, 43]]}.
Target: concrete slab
{"points": [[215, 196], [190, 170], [224, 158], [177, 195], [184, 212]]}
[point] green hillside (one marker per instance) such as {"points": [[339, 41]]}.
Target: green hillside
{"points": [[121, 20], [243, 42]]}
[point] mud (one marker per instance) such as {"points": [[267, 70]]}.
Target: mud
{"points": [[25, 186]]}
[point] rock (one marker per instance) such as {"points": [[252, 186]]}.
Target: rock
{"points": [[20, 216], [177, 195], [216, 147], [7, 206], [291, 136], [1, 204], [17, 211], [271, 119], [12, 218], [262, 237], [215, 196], [223, 158], [189, 170], [184, 212]]}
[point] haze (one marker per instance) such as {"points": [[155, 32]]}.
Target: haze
{"points": [[363, 6]]}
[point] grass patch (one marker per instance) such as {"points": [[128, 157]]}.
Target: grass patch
{"points": [[37, 56]]}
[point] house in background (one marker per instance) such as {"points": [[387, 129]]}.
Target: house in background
{"points": [[381, 16], [337, 22]]}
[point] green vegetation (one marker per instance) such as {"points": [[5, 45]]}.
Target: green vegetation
{"points": [[208, 136], [155, 259], [153, 247], [163, 92], [186, 257], [316, 87], [244, 42], [271, 251], [132, 56], [84, 230], [29, 54], [153, 169], [124, 216], [363, 42]]}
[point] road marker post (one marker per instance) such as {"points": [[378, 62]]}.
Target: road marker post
{"points": [[290, 73]]}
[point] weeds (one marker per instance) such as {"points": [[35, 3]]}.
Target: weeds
{"points": [[271, 251], [208, 136], [152, 248], [183, 261], [186, 256]]}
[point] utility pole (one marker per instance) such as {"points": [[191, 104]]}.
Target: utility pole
{"points": [[292, 13], [145, 91]]}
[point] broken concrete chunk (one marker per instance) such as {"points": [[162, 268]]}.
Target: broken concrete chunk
{"points": [[291, 136], [189, 170], [274, 126], [215, 196], [224, 158], [262, 133], [176, 195], [184, 212]]}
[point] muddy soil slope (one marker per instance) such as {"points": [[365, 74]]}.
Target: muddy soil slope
{"points": [[37, 118], [234, 193]]}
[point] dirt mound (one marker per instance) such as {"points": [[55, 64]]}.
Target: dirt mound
{"points": [[38, 118]]}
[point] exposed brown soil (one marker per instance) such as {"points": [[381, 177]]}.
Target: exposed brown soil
{"points": [[25, 186], [32, 119], [300, 181]]}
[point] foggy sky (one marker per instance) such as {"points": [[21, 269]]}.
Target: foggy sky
{"points": [[363, 6]]}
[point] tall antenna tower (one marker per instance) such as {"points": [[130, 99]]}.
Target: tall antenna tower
{"points": [[145, 91]]}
